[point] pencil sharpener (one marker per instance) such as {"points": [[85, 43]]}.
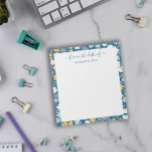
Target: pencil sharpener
{"points": [[28, 40]]}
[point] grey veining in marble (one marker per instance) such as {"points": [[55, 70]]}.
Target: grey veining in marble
{"points": [[100, 24]]}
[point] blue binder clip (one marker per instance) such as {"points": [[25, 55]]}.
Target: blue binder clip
{"points": [[45, 142], [142, 3], [28, 40], [1, 120], [22, 83], [32, 70], [68, 144]]}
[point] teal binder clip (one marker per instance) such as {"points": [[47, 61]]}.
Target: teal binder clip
{"points": [[32, 70], [142, 3], [45, 142], [1, 120], [28, 40]]}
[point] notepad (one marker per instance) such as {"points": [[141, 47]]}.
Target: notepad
{"points": [[88, 84], [10, 147]]}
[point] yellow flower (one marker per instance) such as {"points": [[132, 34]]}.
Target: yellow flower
{"points": [[113, 119], [71, 50], [54, 68], [64, 124], [55, 77], [92, 120], [56, 50], [70, 123], [50, 55], [121, 86]]}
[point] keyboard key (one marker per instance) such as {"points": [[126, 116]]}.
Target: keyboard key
{"points": [[52, 11], [40, 2], [65, 11], [47, 19], [86, 3], [71, 1], [63, 2], [75, 7], [56, 16], [48, 7]]}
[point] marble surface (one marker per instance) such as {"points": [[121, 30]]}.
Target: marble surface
{"points": [[100, 24]]}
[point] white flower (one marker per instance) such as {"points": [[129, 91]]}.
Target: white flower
{"points": [[78, 47], [54, 90]]}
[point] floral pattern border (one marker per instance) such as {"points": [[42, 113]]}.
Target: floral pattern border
{"points": [[56, 93]]}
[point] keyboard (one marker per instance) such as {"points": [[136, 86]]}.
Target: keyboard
{"points": [[52, 12]]}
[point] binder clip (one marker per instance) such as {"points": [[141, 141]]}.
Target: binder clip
{"points": [[32, 70], [43, 142], [28, 40], [25, 107], [22, 83], [142, 3], [141, 21], [68, 144], [1, 120]]}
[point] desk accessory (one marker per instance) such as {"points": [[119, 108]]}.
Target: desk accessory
{"points": [[1, 120], [141, 21], [22, 83], [68, 144], [88, 84], [53, 12], [43, 142], [11, 147], [32, 70], [28, 40], [25, 106], [19, 130], [142, 3]]}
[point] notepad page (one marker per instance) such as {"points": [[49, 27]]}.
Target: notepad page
{"points": [[10, 147], [88, 89]]}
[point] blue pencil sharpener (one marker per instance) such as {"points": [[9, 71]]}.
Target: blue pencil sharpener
{"points": [[28, 40]]}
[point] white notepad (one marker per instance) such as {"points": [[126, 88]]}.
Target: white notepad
{"points": [[88, 84], [10, 147]]}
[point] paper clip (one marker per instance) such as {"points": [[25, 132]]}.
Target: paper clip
{"points": [[28, 40], [141, 21], [25, 107]]}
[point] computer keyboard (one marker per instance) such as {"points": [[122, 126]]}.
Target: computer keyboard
{"points": [[52, 12]]}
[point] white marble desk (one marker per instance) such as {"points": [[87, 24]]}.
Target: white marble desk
{"points": [[103, 23]]}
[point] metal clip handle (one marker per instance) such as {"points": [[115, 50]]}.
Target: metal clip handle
{"points": [[26, 67], [132, 18], [17, 101]]}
